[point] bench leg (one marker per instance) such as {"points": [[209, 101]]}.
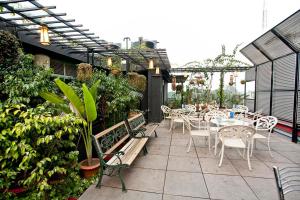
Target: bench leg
{"points": [[121, 179], [145, 150], [100, 178], [155, 133]]}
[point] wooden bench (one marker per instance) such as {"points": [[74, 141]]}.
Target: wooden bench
{"points": [[113, 156], [137, 125]]}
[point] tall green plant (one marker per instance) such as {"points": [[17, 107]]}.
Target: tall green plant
{"points": [[86, 108]]}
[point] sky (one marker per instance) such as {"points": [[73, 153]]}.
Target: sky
{"points": [[190, 30]]}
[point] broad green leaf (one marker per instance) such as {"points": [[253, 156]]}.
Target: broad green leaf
{"points": [[94, 89], [51, 97], [71, 95], [89, 103]]}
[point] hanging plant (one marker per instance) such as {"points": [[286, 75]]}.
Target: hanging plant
{"points": [[84, 72], [137, 81], [200, 81], [178, 88], [231, 83], [192, 82], [243, 82], [173, 83]]}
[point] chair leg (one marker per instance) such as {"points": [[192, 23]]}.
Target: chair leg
{"points": [[269, 148], [216, 143], [171, 125], [208, 143], [183, 128], [222, 155], [252, 141], [248, 157], [122, 181], [190, 143], [100, 178]]}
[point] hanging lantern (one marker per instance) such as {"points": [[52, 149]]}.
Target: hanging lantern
{"points": [[185, 74], [231, 79], [157, 70], [109, 61], [151, 64], [44, 35], [173, 83]]}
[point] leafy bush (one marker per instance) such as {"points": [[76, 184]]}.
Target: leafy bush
{"points": [[36, 148], [25, 83], [9, 50]]}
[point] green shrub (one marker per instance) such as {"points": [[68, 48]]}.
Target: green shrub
{"points": [[36, 148], [9, 50], [26, 82]]}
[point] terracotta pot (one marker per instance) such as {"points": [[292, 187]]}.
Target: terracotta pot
{"points": [[72, 198], [115, 72], [89, 171], [17, 191]]}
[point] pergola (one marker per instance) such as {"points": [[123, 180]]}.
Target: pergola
{"points": [[275, 55], [28, 16]]}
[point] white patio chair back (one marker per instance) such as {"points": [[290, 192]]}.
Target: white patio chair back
{"points": [[200, 131], [191, 109], [166, 111], [215, 114], [266, 123], [264, 127]]}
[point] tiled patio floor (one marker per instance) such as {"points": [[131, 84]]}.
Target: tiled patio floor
{"points": [[168, 172]]}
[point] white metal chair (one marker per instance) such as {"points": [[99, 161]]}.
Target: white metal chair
{"points": [[241, 110], [191, 109], [236, 136], [202, 131], [264, 127], [176, 118], [215, 115]]}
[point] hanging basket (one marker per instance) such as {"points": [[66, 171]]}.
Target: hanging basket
{"points": [[173, 83], [138, 81], [115, 72], [84, 72], [243, 82]]}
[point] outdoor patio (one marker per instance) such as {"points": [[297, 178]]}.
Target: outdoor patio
{"points": [[168, 172]]}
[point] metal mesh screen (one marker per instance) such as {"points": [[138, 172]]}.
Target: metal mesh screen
{"points": [[272, 45], [250, 104], [253, 55], [250, 74], [284, 73], [283, 103], [263, 102], [264, 77], [290, 29]]}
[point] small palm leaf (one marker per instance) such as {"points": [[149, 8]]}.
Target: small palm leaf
{"points": [[53, 98], [89, 103], [94, 89]]}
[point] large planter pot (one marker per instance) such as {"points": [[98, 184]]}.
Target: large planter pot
{"points": [[89, 171], [115, 72]]}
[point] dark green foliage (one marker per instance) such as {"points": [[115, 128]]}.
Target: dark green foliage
{"points": [[36, 148], [9, 50], [25, 83]]}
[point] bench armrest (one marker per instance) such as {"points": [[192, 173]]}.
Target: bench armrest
{"points": [[133, 133], [117, 154]]}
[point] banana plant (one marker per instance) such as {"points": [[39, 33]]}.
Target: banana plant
{"points": [[84, 108]]}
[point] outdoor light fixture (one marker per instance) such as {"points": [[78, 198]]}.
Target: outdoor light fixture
{"points": [[185, 74], [157, 70], [44, 35], [109, 61], [151, 64]]}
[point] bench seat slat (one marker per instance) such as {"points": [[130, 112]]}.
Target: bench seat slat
{"points": [[150, 129], [131, 150]]}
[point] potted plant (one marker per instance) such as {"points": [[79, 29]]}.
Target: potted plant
{"points": [[85, 109], [84, 72], [243, 82], [137, 81]]}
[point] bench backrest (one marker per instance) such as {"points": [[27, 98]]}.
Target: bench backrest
{"points": [[110, 139], [136, 122]]}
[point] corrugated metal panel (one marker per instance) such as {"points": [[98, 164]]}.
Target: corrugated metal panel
{"points": [[250, 74], [263, 102], [264, 77], [283, 104], [250, 104], [284, 73]]}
